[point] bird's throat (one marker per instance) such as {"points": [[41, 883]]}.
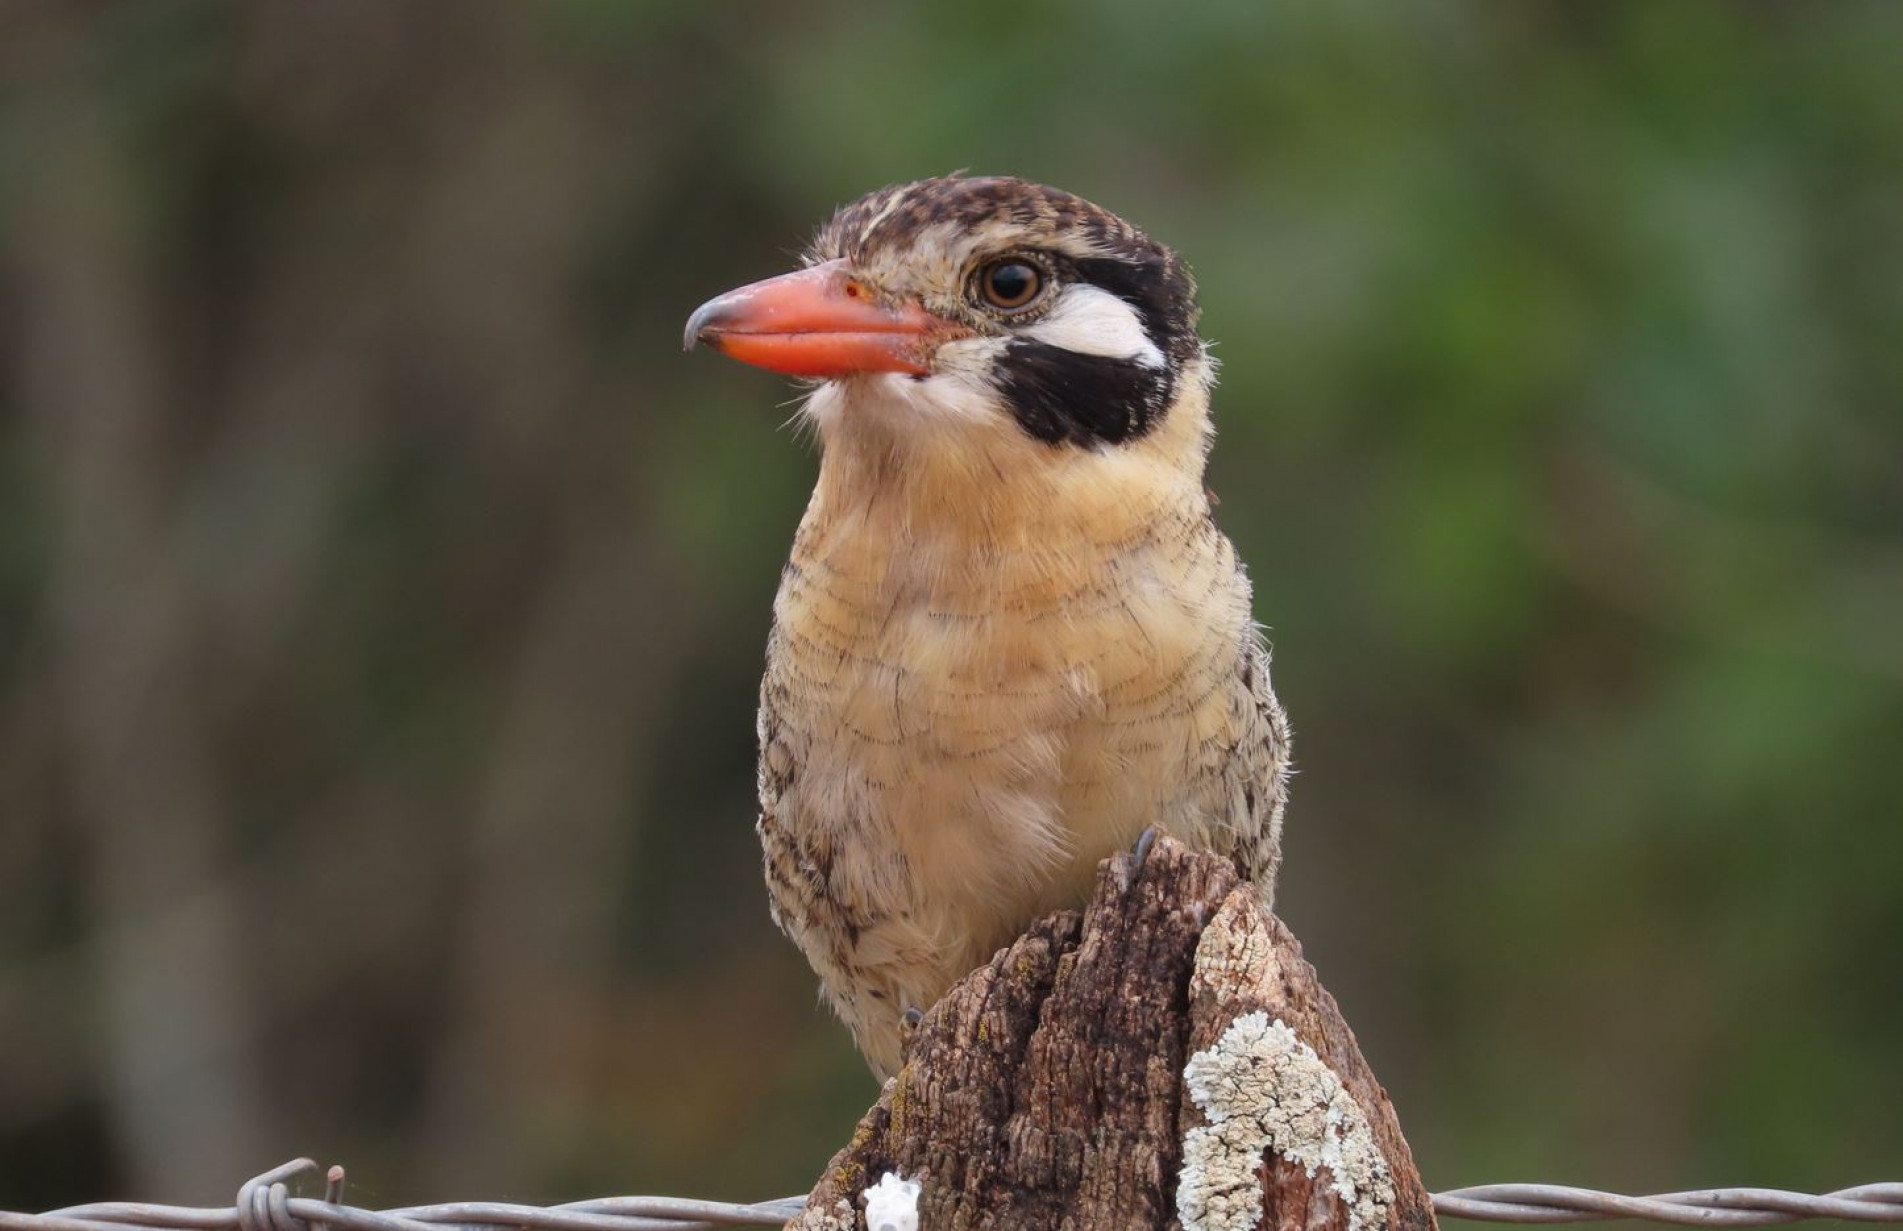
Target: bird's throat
{"points": [[980, 495]]}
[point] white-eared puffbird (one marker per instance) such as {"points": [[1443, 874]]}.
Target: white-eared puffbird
{"points": [[1010, 637]]}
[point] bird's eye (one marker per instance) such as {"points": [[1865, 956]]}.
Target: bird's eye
{"points": [[1010, 284]]}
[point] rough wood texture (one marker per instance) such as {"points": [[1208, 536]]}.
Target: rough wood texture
{"points": [[1167, 1060]]}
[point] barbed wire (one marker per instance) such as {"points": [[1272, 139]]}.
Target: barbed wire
{"points": [[1706, 1207], [264, 1203]]}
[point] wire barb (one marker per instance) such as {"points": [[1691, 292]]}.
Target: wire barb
{"points": [[264, 1203]]}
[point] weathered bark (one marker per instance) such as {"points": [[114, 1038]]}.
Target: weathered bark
{"points": [[1166, 1060]]}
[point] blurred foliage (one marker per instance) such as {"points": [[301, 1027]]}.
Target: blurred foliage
{"points": [[382, 592]]}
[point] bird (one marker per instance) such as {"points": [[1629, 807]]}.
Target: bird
{"points": [[1010, 638]]}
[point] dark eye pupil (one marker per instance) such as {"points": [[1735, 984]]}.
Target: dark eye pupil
{"points": [[1011, 284]]}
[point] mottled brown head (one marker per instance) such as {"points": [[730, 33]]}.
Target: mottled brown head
{"points": [[1002, 209], [989, 292]]}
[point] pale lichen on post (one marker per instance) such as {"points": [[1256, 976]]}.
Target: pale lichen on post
{"points": [[892, 1204], [1262, 1089]]}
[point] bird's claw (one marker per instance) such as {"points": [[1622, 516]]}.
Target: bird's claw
{"points": [[1145, 841], [908, 1028]]}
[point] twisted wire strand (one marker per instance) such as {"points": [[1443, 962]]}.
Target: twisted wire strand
{"points": [[264, 1203], [1707, 1207]]}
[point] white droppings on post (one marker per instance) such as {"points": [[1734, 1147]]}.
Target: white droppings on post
{"points": [[1262, 1088], [892, 1204]]}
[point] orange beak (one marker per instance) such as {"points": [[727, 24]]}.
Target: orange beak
{"points": [[819, 322]]}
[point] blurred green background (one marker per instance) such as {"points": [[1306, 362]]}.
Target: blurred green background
{"points": [[382, 592]]}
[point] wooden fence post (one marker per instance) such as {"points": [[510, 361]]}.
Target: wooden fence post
{"points": [[1164, 1060]]}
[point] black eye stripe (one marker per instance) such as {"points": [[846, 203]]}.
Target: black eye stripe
{"points": [[1161, 292]]}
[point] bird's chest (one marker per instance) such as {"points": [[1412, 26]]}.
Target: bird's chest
{"points": [[989, 728]]}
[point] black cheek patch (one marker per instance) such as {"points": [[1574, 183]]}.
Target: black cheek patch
{"points": [[1063, 397]]}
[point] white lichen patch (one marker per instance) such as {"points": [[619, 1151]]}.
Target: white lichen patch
{"points": [[892, 1204], [1262, 1088]]}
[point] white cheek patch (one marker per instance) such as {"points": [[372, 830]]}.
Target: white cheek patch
{"points": [[959, 389], [1091, 321]]}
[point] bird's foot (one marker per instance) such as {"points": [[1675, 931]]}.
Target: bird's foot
{"points": [[1129, 867], [908, 1028]]}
